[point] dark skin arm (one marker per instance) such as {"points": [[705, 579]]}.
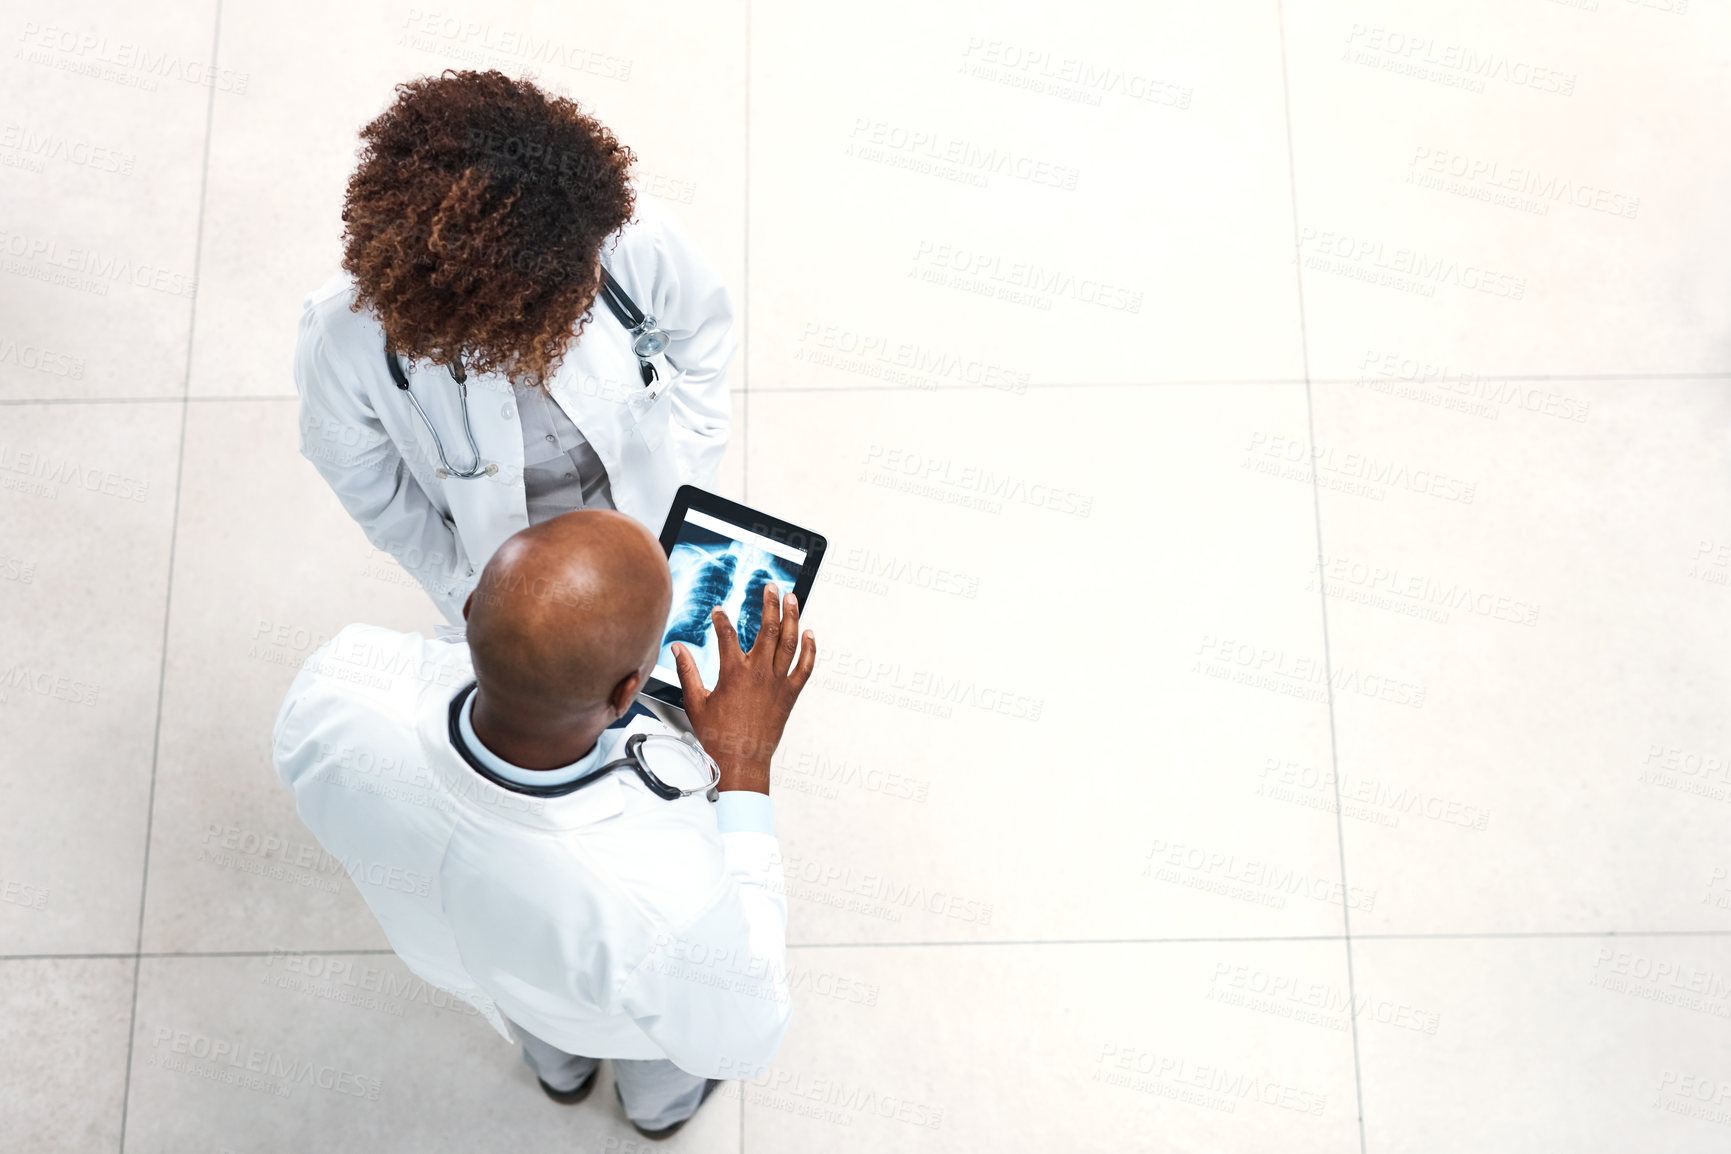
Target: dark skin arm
{"points": [[739, 722]]}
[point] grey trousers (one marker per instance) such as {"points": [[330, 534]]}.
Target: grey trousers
{"points": [[656, 1093]]}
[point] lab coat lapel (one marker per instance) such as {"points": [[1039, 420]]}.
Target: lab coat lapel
{"points": [[600, 389]]}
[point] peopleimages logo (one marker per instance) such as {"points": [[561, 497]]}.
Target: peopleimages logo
{"points": [[1457, 65], [48, 683], [1258, 881], [805, 878], [85, 52], [1542, 187], [883, 141], [1069, 77], [244, 1059], [1436, 382], [38, 359], [482, 42], [1374, 260], [1045, 284], [923, 690], [96, 264], [959, 483], [1289, 995], [1388, 585], [795, 1090], [1149, 1072], [50, 470], [884, 357]]}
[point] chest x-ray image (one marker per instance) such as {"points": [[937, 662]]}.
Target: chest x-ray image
{"points": [[711, 570]]}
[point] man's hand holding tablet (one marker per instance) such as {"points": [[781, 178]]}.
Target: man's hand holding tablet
{"points": [[723, 555], [739, 722]]}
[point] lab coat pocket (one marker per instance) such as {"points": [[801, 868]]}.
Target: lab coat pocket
{"points": [[650, 415]]}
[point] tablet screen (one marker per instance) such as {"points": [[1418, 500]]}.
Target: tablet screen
{"points": [[718, 565]]}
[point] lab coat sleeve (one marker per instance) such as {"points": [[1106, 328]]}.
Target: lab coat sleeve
{"points": [[691, 303], [291, 744], [313, 709], [344, 439], [714, 994]]}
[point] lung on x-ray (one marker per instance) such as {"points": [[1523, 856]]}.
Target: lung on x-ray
{"points": [[714, 571]]}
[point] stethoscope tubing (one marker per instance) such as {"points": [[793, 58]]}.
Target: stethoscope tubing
{"points": [[445, 470], [647, 339]]}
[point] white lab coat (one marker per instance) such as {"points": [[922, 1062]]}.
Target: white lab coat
{"points": [[364, 437], [608, 922]]}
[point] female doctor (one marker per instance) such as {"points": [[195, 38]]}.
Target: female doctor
{"points": [[507, 342]]}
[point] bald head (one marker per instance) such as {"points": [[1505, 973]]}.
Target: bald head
{"points": [[565, 611]]}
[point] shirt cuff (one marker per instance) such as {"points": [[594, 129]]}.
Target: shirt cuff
{"points": [[745, 811]]}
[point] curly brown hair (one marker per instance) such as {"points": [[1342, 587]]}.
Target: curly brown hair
{"points": [[474, 221]]}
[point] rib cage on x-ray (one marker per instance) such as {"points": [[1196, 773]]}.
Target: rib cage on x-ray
{"points": [[711, 571], [714, 581]]}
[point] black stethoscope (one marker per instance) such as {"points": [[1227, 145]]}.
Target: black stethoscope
{"points": [[669, 766], [647, 340]]}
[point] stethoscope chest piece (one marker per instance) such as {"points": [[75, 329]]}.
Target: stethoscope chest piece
{"points": [[442, 473], [647, 340], [671, 767]]}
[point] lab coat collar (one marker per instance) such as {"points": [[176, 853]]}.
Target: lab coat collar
{"points": [[536, 783], [481, 795]]}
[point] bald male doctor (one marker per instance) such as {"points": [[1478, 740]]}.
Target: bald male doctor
{"points": [[536, 844], [516, 333]]}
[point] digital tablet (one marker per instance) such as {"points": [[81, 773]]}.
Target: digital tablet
{"points": [[721, 555]]}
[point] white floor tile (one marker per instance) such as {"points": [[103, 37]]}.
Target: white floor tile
{"points": [[1175, 1047], [348, 1053], [1557, 589], [1498, 189], [86, 505], [1589, 1044], [1096, 682], [63, 1065], [100, 148], [948, 196]]}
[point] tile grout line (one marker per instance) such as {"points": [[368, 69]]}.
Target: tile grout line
{"points": [[1447, 936], [1216, 382], [145, 400], [1322, 592], [171, 954], [745, 366], [168, 590], [1461, 936], [1219, 382], [745, 345]]}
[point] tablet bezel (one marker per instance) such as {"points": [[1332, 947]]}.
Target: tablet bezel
{"points": [[741, 517]]}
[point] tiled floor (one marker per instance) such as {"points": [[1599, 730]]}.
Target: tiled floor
{"points": [[1277, 463]]}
